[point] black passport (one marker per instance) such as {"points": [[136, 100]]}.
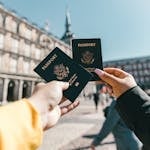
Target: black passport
{"points": [[87, 52], [58, 66]]}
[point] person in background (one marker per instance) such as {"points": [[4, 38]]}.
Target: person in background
{"points": [[124, 137], [133, 104], [22, 122], [96, 100]]}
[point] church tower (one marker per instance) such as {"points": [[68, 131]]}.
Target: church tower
{"points": [[68, 35]]}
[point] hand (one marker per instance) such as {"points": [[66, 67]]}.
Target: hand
{"points": [[119, 80], [54, 115], [45, 99]]}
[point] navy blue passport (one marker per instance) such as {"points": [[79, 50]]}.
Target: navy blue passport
{"points": [[58, 66], [87, 53]]}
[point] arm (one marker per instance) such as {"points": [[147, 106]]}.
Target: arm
{"points": [[19, 124], [133, 103], [134, 107], [108, 125], [22, 122]]}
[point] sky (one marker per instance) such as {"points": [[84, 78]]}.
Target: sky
{"points": [[122, 25]]}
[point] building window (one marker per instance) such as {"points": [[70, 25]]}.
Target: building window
{"points": [[14, 45], [134, 66], [1, 41], [20, 65], [37, 53], [14, 26], [34, 35], [146, 72], [13, 64], [139, 66], [0, 59], [8, 23], [145, 65], [5, 62], [27, 50], [26, 66], [1, 20], [7, 41], [28, 33], [148, 64]]}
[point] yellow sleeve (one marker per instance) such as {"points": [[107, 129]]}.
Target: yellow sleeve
{"points": [[20, 126]]}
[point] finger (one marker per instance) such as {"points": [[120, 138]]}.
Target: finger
{"points": [[68, 108], [106, 77], [99, 82], [116, 72], [63, 100], [63, 85]]}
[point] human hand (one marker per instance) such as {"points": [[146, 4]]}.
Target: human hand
{"points": [[54, 115], [45, 99], [119, 80]]}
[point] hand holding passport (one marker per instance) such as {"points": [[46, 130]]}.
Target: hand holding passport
{"points": [[58, 66]]}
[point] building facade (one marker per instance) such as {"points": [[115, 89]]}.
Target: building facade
{"points": [[138, 67], [22, 46]]}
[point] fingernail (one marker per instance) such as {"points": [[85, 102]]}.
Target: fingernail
{"points": [[99, 72]]}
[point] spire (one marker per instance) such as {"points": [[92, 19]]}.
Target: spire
{"points": [[68, 21], [68, 35]]}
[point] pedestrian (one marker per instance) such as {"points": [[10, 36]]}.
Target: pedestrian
{"points": [[96, 100], [133, 104], [22, 122], [124, 137]]}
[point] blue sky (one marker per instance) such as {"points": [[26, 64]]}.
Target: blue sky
{"points": [[122, 25]]}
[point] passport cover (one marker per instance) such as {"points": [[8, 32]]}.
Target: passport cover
{"points": [[87, 52], [58, 66]]}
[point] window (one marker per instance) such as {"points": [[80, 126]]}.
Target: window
{"points": [[14, 45], [0, 58], [1, 41], [139, 66], [37, 53], [14, 26], [13, 64], [27, 50], [26, 66], [20, 65], [34, 35], [28, 33], [1, 20], [8, 23], [5, 62]]}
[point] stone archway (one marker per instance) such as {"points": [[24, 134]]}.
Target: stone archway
{"points": [[10, 91]]}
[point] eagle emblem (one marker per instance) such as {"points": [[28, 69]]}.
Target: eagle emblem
{"points": [[61, 71], [87, 57]]}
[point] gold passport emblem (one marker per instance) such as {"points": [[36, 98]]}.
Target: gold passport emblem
{"points": [[61, 71], [87, 57]]}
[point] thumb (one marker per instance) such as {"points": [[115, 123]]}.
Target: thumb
{"points": [[63, 85], [106, 77]]}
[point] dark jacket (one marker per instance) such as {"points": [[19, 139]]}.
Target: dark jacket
{"points": [[124, 138], [134, 107]]}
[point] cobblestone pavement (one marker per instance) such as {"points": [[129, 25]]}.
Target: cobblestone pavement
{"points": [[83, 142], [76, 130]]}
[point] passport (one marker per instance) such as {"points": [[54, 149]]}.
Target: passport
{"points": [[59, 66], [87, 53]]}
